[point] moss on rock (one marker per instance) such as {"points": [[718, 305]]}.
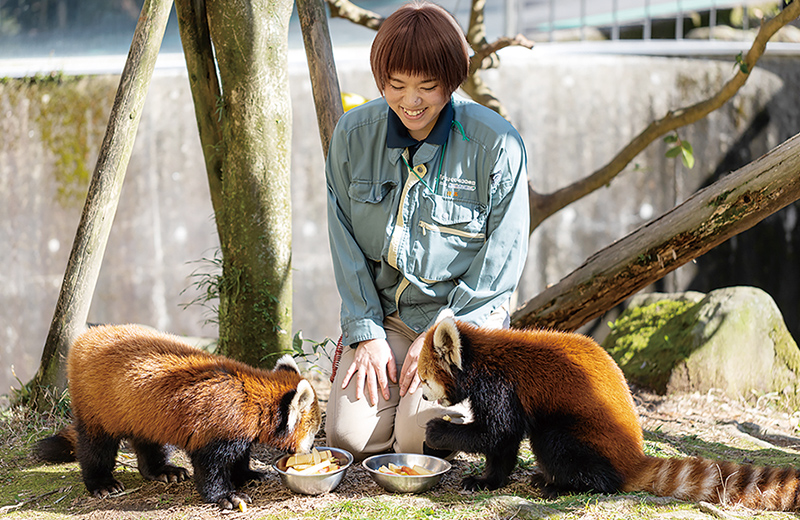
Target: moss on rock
{"points": [[648, 341], [732, 339]]}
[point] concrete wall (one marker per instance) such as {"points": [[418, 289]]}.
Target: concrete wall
{"points": [[574, 112]]}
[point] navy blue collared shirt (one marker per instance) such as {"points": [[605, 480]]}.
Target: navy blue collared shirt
{"points": [[397, 135]]}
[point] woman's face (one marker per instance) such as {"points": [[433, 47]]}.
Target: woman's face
{"points": [[416, 100]]}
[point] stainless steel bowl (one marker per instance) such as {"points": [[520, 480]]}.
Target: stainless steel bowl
{"points": [[406, 484], [315, 484]]}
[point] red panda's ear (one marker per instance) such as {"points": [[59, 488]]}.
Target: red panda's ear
{"points": [[304, 398], [447, 342], [287, 362]]}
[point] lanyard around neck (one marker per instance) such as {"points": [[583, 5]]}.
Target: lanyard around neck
{"points": [[441, 159], [418, 176]]}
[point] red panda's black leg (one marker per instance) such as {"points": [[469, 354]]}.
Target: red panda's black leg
{"points": [[499, 464], [152, 461], [213, 468], [97, 456], [241, 472], [500, 449]]}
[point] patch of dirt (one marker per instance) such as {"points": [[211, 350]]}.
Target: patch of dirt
{"points": [[710, 417], [715, 418]]}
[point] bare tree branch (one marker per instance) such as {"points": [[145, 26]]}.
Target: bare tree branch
{"points": [[349, 11], [206, 91], [487, 51], [542, 206], [479, 91]]}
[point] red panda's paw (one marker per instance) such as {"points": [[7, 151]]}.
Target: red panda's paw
{"points": [[237, 501], [541, 482], [436, 432], [169, 474], [107, 488]]}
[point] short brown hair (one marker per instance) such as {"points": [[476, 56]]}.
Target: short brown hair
{"points": [[420, 39]]}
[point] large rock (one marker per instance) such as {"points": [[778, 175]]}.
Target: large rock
{"points": [[732, 339]]}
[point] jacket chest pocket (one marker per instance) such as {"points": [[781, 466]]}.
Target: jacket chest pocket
{"points": [[371, 210], [450, 234]]}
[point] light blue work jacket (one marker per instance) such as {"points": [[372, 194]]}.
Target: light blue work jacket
{"points": [[457, 238]]}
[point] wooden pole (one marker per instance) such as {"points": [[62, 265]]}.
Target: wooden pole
{"points": [[94, 229], [321, 67]]}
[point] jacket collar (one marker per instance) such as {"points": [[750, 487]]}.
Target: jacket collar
{"points": [[397, 134], [397, 138]]}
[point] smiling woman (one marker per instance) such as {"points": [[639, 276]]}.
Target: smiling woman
{"points": [[427, 210], [417, 101]]}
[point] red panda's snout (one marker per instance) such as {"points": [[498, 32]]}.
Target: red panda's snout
{"points": [[432, 391]]}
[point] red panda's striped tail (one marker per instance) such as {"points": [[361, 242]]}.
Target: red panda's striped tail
{"points": [[59, 447], [695, 479]]}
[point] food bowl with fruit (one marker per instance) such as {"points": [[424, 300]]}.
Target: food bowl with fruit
{"points": [[406, 472], [314, 473]]}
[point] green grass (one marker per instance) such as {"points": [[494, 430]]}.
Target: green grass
{"points": [[56, 491]]}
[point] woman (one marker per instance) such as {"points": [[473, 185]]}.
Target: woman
{"points": [[427, 210]]}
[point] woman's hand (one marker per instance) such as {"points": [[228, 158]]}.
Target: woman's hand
{"points": [[374, 361], [409, 379]]}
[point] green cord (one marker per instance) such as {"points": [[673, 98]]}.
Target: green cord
{"points": [[461, 129], [441, 160]]}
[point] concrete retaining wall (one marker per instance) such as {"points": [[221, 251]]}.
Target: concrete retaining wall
{"points": [[574, 112]]}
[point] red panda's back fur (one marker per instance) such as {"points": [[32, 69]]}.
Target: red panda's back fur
{"points": [[566, 372], [134, 381], [552, 371]]}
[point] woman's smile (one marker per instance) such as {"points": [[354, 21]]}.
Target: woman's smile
{"points": [[417, 101]]}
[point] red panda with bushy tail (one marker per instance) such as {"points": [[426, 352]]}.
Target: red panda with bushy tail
{"points": [[569, 396], [131, 382]]}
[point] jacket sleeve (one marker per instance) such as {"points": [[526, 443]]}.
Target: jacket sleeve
{"points": [[361, 313], [495, 272]]}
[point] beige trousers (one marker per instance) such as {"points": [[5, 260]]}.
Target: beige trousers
{"points": [[397, 424]]}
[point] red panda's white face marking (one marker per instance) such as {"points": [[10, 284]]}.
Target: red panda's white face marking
{"points": [[432, 391], [440, 352], [304, 416]]}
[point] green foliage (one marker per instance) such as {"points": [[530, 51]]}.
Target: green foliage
{"points": [[308, 351], [740, 61], [207, 280], [57, 403], [682, 148]]}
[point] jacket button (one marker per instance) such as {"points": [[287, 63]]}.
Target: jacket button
{"points": [[420, 170]]}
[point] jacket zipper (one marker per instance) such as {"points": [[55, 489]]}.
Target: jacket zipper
{"points": [[452, 231]]}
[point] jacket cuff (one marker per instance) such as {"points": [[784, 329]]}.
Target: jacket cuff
{"points": [[361, 330]]}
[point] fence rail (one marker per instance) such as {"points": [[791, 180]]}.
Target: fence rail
{"points": [[550, 20]]}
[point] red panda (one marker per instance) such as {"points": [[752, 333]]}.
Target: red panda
{"points": [[130, 382], [571, 399]]}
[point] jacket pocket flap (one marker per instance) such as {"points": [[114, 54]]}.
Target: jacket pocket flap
{"points": [[370, 192]]}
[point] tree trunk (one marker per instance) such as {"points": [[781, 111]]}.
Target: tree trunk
{"points": [[86, 257], [254, 218], [729, 206]]}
